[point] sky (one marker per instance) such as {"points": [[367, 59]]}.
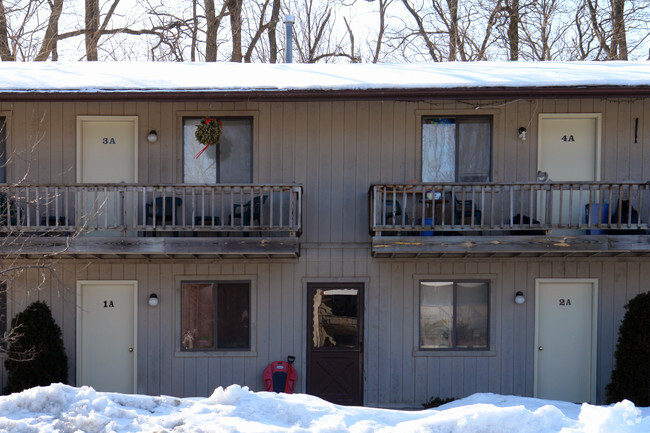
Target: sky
{"points": [[62, 408]]}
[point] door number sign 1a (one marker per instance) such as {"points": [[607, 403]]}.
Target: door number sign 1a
{"points": [[108, 304]]}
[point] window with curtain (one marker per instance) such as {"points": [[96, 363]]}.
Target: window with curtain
{"points": [[229, 161], [215, 315], [454, 315], [456, 149]]}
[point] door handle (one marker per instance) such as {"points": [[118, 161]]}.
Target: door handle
{"points": [[540, 348], [130, 349]]}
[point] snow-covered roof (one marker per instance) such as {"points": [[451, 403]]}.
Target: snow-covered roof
{"points": [[93, 77]]}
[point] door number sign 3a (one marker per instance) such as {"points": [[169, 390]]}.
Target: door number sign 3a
{"points": [[108, 140], [108, 304], [564, 302]]}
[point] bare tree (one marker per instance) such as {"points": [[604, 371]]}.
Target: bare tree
{"points": [[544, 30], [273, 40], [235, 10], [92, 27], [49, 40], [6, 53], [213, 22], [603, 31]]}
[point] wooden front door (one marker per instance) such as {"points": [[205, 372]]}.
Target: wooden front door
{"points": [[335, 342]]}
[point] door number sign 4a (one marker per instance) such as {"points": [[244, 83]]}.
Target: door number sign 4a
{"points": [[109, 304], [568, 138], [564, 302]]}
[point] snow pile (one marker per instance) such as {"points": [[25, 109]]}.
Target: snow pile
{"points": [[62, 408], [236, 77]]}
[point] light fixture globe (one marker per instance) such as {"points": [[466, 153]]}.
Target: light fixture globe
{"points": [[153, 300], [152, 137], [519, 298]]}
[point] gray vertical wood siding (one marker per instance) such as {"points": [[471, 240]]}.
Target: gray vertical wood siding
{"points": [[335, 149]]}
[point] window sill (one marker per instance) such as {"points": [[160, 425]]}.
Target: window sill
{"points": [[216, 354], [453, 353]]}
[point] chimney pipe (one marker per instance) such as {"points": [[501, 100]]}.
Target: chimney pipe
{"points": [[288, 22]]}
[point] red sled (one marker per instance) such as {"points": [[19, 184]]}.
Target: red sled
{"points": [[280, 376]]}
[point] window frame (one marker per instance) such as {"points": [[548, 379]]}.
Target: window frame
{"points": [[4, 124], [463, 117], [219, 116], [216, 283], [455, 282]]}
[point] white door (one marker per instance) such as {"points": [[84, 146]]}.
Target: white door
{"points": [[565, 340], [107, 152], [106, 335], [569, 150]]}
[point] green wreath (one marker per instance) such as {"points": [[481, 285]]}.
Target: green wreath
{"points": [[208, 132]]}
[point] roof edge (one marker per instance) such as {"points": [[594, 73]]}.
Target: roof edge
{"points": [[339, 94]]}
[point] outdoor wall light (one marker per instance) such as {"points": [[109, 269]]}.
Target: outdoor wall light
{"points": [[519, 298], [522, 133], [152, 137], [153, 300]]}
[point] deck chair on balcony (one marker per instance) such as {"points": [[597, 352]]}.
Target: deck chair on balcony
{"points": [[249, 212], [166, 211], [393, 215], [463, 212], [8, 211]]}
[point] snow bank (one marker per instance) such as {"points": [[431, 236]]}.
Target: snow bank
{"points": [[62, 408]]}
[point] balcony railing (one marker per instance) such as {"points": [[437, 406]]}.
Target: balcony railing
{"points": [[132, 210], [421, 209]]}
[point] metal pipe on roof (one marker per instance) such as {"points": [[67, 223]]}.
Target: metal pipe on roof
{"points": [[288, 22]]}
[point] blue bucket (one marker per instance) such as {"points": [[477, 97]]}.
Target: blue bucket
{"points": [[593, 219], [427, 222]]}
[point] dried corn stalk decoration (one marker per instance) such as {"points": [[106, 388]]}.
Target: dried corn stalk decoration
{"points": [[208, 132]]}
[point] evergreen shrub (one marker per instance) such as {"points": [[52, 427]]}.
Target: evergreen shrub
{"points": [[631, 376], [35, 352]]}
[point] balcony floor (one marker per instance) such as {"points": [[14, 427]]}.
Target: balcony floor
{"points": [[579, 245], [93, 247]]}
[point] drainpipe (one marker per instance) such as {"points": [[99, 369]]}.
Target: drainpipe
{"points": [[288, 22]]}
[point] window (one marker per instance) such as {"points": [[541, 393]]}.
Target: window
{"points": [[456, 149], [3, 150], [215, 315], [454, 315], [230, 161], [3, 314]]}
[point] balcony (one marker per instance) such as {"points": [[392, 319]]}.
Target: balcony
{"points": [[510, 219], [128, 220]]}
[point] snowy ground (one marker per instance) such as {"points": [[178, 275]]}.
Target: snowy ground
{"points": [[61, 408]]}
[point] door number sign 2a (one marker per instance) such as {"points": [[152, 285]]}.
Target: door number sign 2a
{"points": [[564, 302], [108, 304]]}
